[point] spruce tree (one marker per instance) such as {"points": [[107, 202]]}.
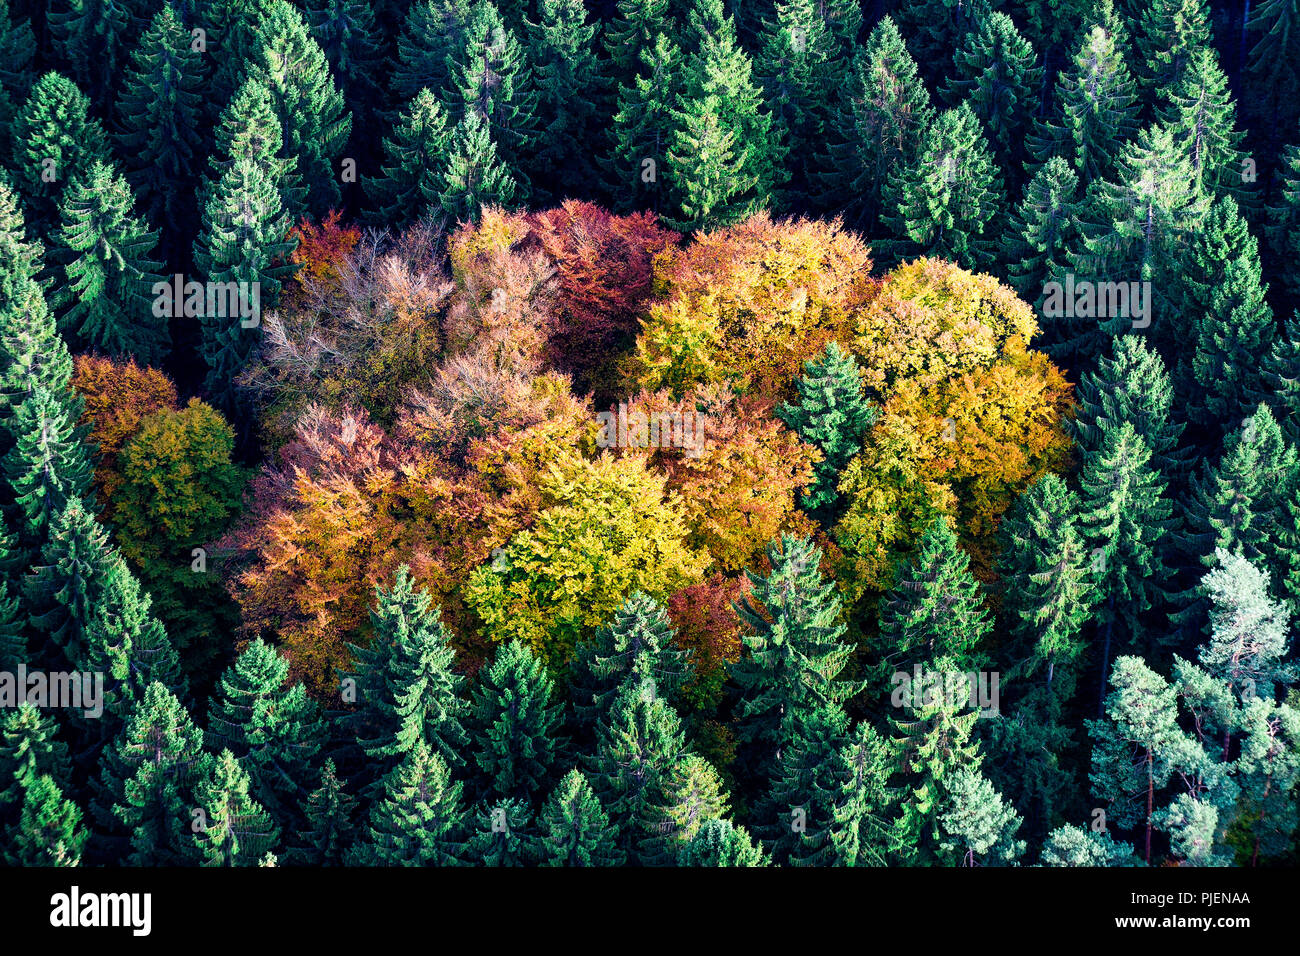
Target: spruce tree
{"points": [[1273, 70], [1200, 111], [1282, 378], [691, 795], [94, 37], [475, 176], [29, 750], [946, 204], [420, 819], [249, 130], [17, 48], [233, 828], [833, 416], [1169, 34], [49, 831], [159, 121], [575, 829], [504, 835], [330, 831], [720, 843], [105, 295], [351, 41], [935, 28], [636, 27], [707, 168], [417, 157], [515, 724], [573, 98], [432, 36], [642, 130]]}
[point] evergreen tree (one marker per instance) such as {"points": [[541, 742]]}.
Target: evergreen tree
{"points": [[28, 751], [1269, 770], [515, 724], [834, 417], [249, 130], [17, 48], [1282, 378], [54, 138], [420, 820], [1169, 34], [314, 120], [1074, 846], [108, 273], [504, 835], [1200, 111], [1232, 324], [719, 843], [159, 118], [475, 177], [946, 203], [572, 98], [935, 28], [936, 609], [350, 39], [330, 832], [796, 817], [417, 157], [1273, 70], [234, 829], [642, 130], [49, 831], [878, 129], [691, 795], [1248, 629], [1096, 104], [93, 37], [408, 690], [980, 826], [707, 169], [997, 72], [432, 36], [637, 26], [575, 829]]}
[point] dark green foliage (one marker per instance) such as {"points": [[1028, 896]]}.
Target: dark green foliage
{"points": [[642, 130], [28, 751], [331, 831], [412, 180], [575, 829], [420, 819], [49, 831], [718, 843], [94, 38], [231, 827], [475, 176], [433, 35], [504, 835], [515, 725]]}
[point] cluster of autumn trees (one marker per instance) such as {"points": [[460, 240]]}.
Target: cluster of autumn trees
{"points": [[369, 582]]}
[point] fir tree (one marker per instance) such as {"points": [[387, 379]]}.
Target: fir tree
{"points": [[330, 831], [504, 835], [515, 724], [935, 28], [432, 36], [1282, 378], [249, 130], [1273, 107], [707, 169], [108, 273], [234, 829], [636, 27], [417, 156], [49, 831], [17, 48], [475, 177], [642, 130], [575, 829], [833, 416], [945, 205], [420, 820], [719, 843], [28, 751]]}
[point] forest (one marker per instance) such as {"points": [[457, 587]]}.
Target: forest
{"points": [[653, 433]]}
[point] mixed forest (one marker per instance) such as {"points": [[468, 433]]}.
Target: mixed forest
{"points": [[653, 433]]}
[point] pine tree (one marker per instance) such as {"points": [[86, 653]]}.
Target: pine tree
{"points": [[49, 831], [1042, 230], [997, 72], [311, 110], [1046, 574], [46, 469], [408, 690], [54, 138], [878, 129], [1071, 845], [158, 115], [28, 751], [330, 832], [1168, 37], [946, 204], [1131, 385], [273, 728], [572, 98], [575, 829], [249, 130], [432, 36], [719, 843], [243, 240], [420, 820], [475, 177], [1248, 629], [1273, 108], [1097, 109], [980, 826], [1232, 325], [691, 795], [93, 37], [642, 130], [417, 157], [833, 416], [17, 48], [515, 724], [108, 273], [936, 609], [1282, 378], [504, 835], [146, 779], [491, 79], [637, 746], [795, 649], [234, 829], [1126, 520], [1268, 771]]}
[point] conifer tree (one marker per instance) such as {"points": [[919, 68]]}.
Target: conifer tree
{"points": [[720, 843], [642, 130], [146, 779], [504, 835], [796, 816], [1282, 378], [572, 98], [49, 830], [311, 110], [330, 832], [405, 682], [475, 176], [1199, 109], [795, 649], [834, 416], [936, 609], [935, 28], [980, 826], [1248, 629], [17, 48], [691, 795], [29, 750], [432, 36], [946, 204], [1096, 107], [274, 729], [997, 72], [878, 128], [248, 129], [1268, 771], [159, 120], [1232, 324], [108, 271], [1046, 575], [707, 169], [1169, 34], [420, 820], [94, 38], [350, 39], [1273, 108], [575, 829], [234, 830], [515, 724], [232, 35], [54, 138], [635, 28], [1072, 845]]}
